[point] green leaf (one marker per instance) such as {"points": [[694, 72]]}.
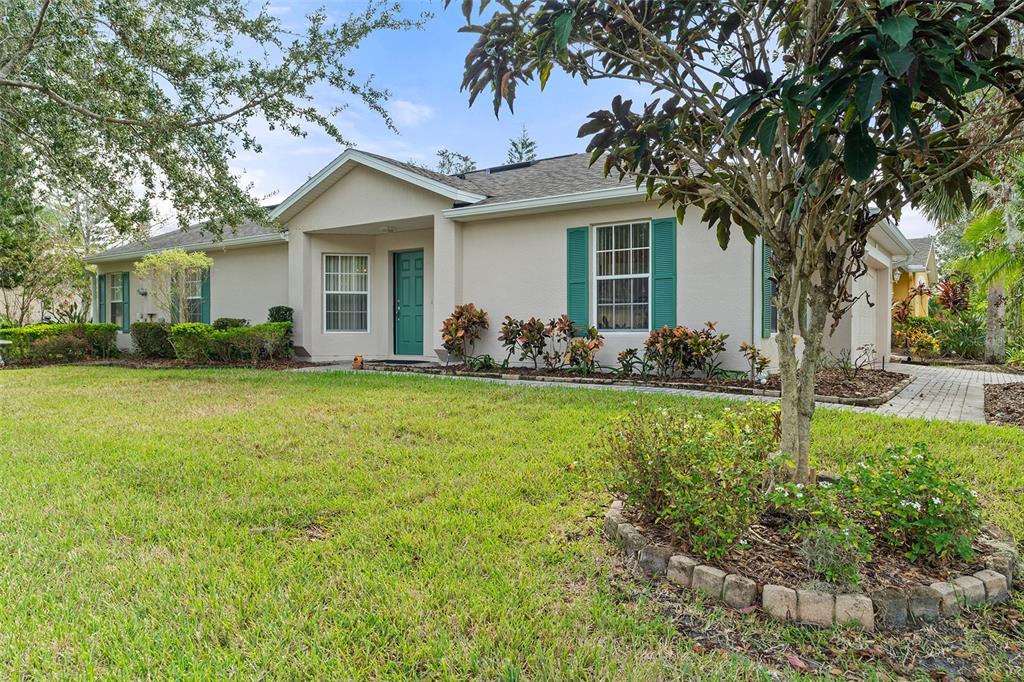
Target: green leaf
{"points": [[563, 27], [723, 235], [900, 29], [750, 127], [766, 136], [897, 61], [859, 153], [869, 92], [899, 108], [739, 106], [818, 151]]}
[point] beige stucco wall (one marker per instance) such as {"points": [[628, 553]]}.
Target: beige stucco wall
{"points": [[517, 266], [368, 212], [244, 282]]}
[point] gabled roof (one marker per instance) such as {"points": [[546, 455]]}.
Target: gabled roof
{"points": [[919, 260]]}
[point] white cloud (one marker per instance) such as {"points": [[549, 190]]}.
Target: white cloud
{"points": [[913, 223], [409, 113]]}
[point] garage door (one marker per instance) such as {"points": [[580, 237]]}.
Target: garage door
{"points": [[867, 316]]}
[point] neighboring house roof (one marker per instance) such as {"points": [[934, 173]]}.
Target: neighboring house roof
{"points": [[921, 257]]}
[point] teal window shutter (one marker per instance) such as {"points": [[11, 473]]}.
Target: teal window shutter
{"points": [[126, 296], [101, 298], [663, 273], [768, 322], [204, 314], [577, 270]]}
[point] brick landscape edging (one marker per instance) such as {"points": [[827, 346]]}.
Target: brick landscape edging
{"points": [[883, 609], [510, 375]]}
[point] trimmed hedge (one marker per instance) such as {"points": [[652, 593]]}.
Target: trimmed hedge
{"points": [[279, 313], [99, 340], [197, 342], [152, 339], [222, 323]]}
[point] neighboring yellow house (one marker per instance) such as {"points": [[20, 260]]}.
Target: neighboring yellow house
{"points": [[920, 268]]}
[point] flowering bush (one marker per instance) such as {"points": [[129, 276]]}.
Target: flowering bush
{"points": [[918, 506], [916, 341], [701, 476]]}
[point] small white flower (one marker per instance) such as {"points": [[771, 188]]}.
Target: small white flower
{"points": [[825, 484], [936, 500], [743, 542], [799, 495]]}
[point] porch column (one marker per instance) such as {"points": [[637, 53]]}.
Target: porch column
{"points": [[303, 290], [447, 273]]}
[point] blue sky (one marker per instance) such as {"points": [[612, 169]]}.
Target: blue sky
{"points": [[423, 70]]}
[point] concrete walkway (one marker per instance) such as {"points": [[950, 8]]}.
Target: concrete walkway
{"points": [[948, 393]]}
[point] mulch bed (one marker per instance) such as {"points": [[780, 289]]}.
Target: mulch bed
{"points": [[771, 556], [864, 384], [1004, 404]]}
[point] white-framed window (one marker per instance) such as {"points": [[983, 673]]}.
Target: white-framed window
{"points": [[193, 295], [116, 301], [346, 292], [623, 276]]}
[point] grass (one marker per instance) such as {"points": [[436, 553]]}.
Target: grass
{"points": [[205, 524]]}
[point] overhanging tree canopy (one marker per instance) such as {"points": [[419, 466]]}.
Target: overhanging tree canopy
{"points": [[805, 122], [134, 100]]}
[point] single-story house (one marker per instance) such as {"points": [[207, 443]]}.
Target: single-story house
{"points": [[375, 253], [920, 268]]}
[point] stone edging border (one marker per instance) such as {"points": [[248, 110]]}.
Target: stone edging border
{"points": [[885, 609], [873, 401]]}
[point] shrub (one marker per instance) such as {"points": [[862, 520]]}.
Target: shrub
{"points": [[631, 363], [699, 475], [559, 333], [280, 313], [462, 329], [962, 335], [834, 545], [222, 323], [581, 354], [1015, 351], [678, 351], [66, 347], [919, 508], [533, 341], [152, 339], [481, 363], [916, 341], [757, 360], [270, 340], [100, 339], [509, 335], [192, 341]]}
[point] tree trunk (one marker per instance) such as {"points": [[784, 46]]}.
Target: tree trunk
{"points": [[995, 331], [797, 374]]}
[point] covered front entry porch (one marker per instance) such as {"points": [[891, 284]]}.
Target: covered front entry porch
{"points": [[371, 289]]}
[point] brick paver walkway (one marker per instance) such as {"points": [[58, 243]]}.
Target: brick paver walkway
{"points": [[950, 393], [947, 393]]}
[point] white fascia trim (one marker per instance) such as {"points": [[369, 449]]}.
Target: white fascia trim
{"points": [[199, 246], [356, 156], [893, 232], [542, 203]]}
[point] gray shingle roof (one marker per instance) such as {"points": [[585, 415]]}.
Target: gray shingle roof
{"points": [[922, 247], [182, 238], [549, 177]]}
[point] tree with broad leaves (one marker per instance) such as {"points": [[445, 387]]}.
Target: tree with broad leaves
{"points": [[132, 101], [803, 122]]}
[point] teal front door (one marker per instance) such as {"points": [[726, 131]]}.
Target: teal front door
{"points": [[409, 303]]}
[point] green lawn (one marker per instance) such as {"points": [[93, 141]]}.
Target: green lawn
{"points": [[201, 524]]}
